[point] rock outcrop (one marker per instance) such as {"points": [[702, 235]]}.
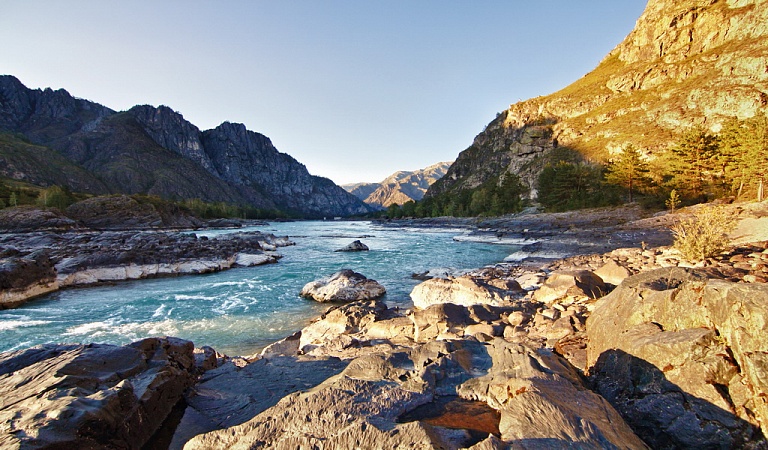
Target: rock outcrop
{"points": [[398, 392], [682, 357], [25, 277], [148, 150], [345, 285], [686, 63], [81, 258], [92, 396], [122, 212], [22, 219]]}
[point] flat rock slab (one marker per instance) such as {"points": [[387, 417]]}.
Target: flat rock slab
{"points": [[231, 395], [91, 396]]}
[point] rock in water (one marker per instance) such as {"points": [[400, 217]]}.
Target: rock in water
{"points": [[91, 396], [345, 285], [683, 358], [356, 246]]}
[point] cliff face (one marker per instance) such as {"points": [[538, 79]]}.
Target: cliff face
{"points": [[400, 187], [690, 62], [50, 137]]}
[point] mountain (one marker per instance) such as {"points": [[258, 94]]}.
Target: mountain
{"points": [[686, 63], [48, 137], [400, 187]]}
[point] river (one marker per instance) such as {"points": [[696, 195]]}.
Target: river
{"points": [[241, 310]]}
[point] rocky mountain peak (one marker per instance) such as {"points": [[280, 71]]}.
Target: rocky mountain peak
{"points": [[171, 131], [400, 187], [153, 150], [686, 63], [673, 30]]}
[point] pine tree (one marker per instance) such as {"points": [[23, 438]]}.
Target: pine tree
{"points": [[694, 161], [745, 155], [628, 170]]}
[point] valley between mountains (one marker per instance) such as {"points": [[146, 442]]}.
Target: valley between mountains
{"points": [[631, 312]]}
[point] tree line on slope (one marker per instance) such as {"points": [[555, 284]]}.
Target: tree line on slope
{"points": [[14, 194], [699, 167]]}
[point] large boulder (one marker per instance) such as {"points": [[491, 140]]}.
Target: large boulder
{"points": [[344, 285], [466, 290], [544, 403], [91, 396], [684, 358]]}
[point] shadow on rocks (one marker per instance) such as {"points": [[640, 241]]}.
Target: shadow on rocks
{"points": [[662, 413]]}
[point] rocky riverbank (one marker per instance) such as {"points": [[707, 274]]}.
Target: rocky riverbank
{"points": [[36, 263], [627, 348]]}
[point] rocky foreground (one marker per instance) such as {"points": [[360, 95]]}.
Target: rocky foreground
{"points": [[631, 348]]}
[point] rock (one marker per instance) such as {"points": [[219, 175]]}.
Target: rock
{"points": [[683, 358], [231, 395], [543, 401], [334, 330], [575, 284], [28, 218], [123, 212], [466, 290], [25, 278], [345, 285], [81, 258], [379, 400], [250, 260], [91, 396], [612, 273], [355, 246]]}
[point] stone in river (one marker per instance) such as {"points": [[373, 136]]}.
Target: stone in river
{"points": [[355, 246], [345, 285]]}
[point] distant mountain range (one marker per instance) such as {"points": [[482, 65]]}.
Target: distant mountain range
{"points": [[398, 188], [686, 63], [49, 138]]}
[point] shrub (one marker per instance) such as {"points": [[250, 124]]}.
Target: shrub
{"points": [[705, 234]]}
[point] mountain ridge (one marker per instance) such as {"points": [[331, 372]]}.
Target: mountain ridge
{"points": [[154, 150], [399, 187], [685, 63]]}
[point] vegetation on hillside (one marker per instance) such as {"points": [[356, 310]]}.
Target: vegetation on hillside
{"points": [[14, 193], [495, 197], [701, 166]]}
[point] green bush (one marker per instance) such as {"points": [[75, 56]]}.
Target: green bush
{"points": [[703, 235]]}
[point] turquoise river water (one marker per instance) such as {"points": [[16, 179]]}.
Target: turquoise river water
{"points": [[241, 310]]}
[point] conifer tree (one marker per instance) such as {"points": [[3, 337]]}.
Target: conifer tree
{"points": [[628, 170], [745, 155], [694, 161]]}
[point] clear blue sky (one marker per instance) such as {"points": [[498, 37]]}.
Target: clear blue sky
{"points": [[354, 89]]}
